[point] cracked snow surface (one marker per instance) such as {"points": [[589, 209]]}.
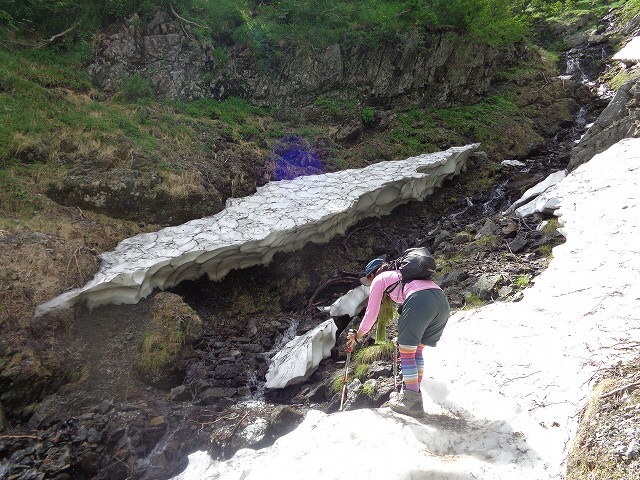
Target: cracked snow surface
{"points": [[281, 216], [504, 388]]}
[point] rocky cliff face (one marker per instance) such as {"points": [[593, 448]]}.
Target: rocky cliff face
{"points": [[437, 71], [621, 119]]}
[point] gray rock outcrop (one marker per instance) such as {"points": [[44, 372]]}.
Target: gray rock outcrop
{"points": [[621, 118], [281, 216], [442, 68]]}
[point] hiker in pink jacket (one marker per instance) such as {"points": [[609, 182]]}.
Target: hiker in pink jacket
{"points": [[424, 314]]}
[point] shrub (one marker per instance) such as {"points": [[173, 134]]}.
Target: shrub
{"points": [[368, 115]]}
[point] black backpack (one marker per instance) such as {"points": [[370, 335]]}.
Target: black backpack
{"points": [[413, 264]]}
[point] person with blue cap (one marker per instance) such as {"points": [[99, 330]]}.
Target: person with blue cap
{"points": [[424, 314]]}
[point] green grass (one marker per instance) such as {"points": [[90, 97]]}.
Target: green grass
{"points": [[426, 130], [522, 281], [482, 120], [545, 251], [362, 359], [46, 97], [473, 301], [335, 106]]}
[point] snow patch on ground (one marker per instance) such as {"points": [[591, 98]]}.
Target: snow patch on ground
{"points": [[505, 385]]}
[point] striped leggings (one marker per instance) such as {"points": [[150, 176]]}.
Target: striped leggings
{"points": [[412, 363]]}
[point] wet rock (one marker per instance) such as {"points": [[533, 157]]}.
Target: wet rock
{"points": [[504, 292], [519, 243], [41, 418], [57, 460], [159, 421], [380, 369], [284, 419], [228, 370], [80, 436], [105, 406], [212, 396], [488, 229], [171, 329], [3, 419], [252, 348], [510, 230], [314, 393], [94, 436], [389, 72], [32, 474], [462, 237], [143, 439], [115, 436], [180, 393], [620, 119], [443, 236], [348, 133]]}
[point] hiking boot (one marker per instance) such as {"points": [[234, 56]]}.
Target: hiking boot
{"points": [[407, 402]]}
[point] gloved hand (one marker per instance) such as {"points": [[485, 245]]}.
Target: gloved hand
{"points": [[352, 337]]}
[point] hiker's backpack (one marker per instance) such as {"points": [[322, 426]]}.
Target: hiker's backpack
{"points": [[413, 264]]}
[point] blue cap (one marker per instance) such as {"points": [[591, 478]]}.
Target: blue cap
{"points": [[372, 266]]}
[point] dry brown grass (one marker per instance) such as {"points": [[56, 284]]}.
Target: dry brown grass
{"points": [[183, 183], [591, 456], [49, 252]]}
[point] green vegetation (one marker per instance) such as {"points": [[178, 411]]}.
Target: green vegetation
{"points": [[362, 360], [629, 8], [265, 25], [385, 317], [551, 227], [136, 87], [172, 323], [368, 389], [522, 281], [368, 115], [336, 106], [427, 129], [446, 264], [622, 77], [545, 251], [473, 301]]}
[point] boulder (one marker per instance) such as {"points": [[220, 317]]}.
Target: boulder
{"points": [[486, 286]]}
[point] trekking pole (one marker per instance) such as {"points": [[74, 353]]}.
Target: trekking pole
{"points": [[344, 380], [395, 365]]}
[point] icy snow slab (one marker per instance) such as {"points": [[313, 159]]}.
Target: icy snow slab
{"points": [[280, 216], [539, 198], [504, 388], [301, 356], [351, 303]]}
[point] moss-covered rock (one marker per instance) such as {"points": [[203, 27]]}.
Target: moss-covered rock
{"points": [[172, 325]]}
